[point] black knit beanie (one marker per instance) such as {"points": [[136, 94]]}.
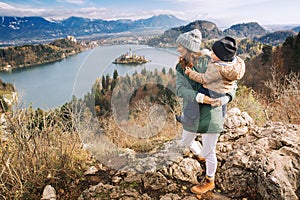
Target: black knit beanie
{"points": [[225, 48]]}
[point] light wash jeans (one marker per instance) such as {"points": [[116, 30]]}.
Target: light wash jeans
{"points": [[208, 150]]}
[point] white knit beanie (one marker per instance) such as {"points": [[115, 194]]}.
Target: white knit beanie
{"points": [[190, 40]]}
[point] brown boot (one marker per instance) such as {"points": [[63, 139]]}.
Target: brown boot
{"points": [[199, 158], [201, 189]]}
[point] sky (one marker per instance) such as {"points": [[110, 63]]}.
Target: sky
{"points": [[223, 13]]}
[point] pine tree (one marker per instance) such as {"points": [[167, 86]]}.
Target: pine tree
{"points": [[267, 54], [171, 71], [145, 87], [296, 55], [144, 71], [115, 80], [115, 75], [289, 42], [104, 83], [164, 70], [155, 72], [138, 82], [160, 80], [107, 79], [113, 84]]}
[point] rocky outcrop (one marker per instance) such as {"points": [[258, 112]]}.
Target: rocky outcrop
{"points": [[254, 163], [261, 163]]}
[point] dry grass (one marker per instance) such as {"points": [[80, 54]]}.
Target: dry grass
{"points": [[284, 101], [247, 100], [38, 148], [148, 125], [280, 103]]}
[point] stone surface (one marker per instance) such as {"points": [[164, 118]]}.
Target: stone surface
{"points": [[49, 193], [263, 163], [253, 163]]}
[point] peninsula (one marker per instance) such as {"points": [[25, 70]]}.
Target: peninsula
{"points": [[30, 55]]}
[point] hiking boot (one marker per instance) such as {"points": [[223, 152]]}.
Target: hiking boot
{"points": [[199, 158], [201, 189]]}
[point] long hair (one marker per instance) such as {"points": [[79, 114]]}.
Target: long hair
{"points": [[190, 59]]}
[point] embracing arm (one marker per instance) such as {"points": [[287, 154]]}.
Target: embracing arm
{"points": [[211, 74], [227, 98], [185, 90]]}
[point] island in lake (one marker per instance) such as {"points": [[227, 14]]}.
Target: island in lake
{"points": [[130, 59]]}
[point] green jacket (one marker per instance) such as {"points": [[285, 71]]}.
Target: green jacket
{"points": [[211, 118]]}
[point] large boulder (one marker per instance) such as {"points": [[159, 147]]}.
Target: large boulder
{"points": [[262, 163]]}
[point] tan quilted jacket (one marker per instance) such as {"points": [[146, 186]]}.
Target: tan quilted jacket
{"points": [[220, 76]]}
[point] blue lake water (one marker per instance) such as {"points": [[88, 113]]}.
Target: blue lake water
{"points": [[51, 85]]}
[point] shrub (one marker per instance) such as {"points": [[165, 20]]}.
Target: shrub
{"points": [[37, 149], [247, 100], [148, 125], [284, 98]]}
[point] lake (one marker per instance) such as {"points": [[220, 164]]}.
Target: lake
{"points": [[51, 85]]}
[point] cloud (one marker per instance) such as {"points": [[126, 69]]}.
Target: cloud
{"points": [[7, 10], [77, 2], [5, 6], [143, 14], [86, 12], [226, 12], [62, 11]]}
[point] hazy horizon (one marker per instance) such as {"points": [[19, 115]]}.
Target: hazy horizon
{"points": [[266, 26], [222, 13]]}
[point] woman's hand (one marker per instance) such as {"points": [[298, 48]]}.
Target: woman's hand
{"points": [[211, 101], [187, 71], [201, 98]]}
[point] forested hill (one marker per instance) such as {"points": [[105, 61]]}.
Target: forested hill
{"points": [[275, 76], [6, 95], [275, 38], [210, 31], [284, 59], [250, 30], [29, 55]]}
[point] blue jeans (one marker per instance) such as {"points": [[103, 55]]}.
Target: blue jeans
{"points": [[191, 111]]}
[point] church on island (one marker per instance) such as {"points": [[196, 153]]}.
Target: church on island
{"points": [[130, 58]]}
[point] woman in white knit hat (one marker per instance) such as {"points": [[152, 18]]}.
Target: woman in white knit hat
{"points": [[208, 118]]}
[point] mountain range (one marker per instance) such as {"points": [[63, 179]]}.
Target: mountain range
{"points": [[26, 30], [14, 29]]}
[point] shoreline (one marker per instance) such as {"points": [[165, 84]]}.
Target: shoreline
{"points": [[10, 69]]}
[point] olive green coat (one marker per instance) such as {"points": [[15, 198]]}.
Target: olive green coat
{"points": [[211, 118]]}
